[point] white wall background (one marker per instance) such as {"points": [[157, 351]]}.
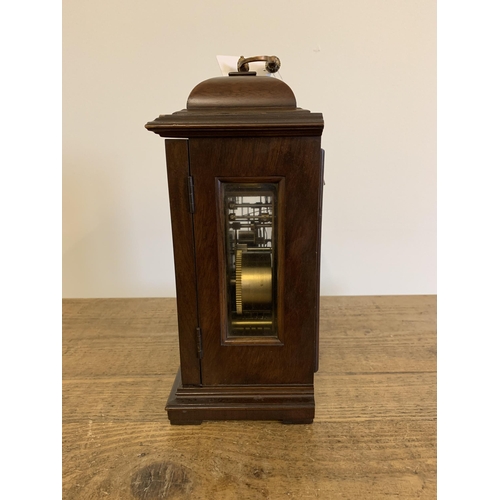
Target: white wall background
{"points": [[368, 65]]}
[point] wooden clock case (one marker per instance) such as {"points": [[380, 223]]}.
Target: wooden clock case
{"points": [[244, 129]]}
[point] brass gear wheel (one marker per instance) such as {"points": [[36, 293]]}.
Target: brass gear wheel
{"points": [[239, 301]]}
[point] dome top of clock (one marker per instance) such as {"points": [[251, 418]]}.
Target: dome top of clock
{"points": [[247, 91]]}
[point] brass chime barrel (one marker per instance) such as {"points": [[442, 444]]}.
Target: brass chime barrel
{"points": [[254, 281]]}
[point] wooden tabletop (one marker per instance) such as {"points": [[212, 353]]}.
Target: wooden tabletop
{"points": [[374, 435]]}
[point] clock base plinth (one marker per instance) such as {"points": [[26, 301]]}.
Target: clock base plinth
{"points": [[191, 405]]}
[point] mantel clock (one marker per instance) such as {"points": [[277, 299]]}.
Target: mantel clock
{"points": [[245, 177]]}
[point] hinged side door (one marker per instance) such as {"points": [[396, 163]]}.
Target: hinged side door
{"points": [[181, 206], [288, 171]]}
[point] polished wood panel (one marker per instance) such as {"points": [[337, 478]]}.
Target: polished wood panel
{"points": [[374, 434], [298, 162], [241, 92], [177, 152]]}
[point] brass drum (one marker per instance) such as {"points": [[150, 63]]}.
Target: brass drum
{"points": [[254, 281]]}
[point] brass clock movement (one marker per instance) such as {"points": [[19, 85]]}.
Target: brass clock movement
{"points": [[245, 177]]}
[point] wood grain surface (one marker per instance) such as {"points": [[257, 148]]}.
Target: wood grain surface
{"points": [[374, 435], [296, 163]]}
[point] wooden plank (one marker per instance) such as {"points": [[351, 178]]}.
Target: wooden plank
{"points": [[374, 435], [250, 460]]}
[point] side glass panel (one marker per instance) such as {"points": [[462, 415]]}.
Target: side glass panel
{"points": [[250, 240]]}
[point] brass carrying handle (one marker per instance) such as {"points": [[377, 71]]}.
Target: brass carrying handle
{"points": [[272, 63]]}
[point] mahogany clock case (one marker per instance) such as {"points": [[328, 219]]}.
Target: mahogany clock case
{"points": [[245, 131]]}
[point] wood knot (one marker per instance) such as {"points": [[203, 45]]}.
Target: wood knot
{"points": [[160, 480], [259, 473]]}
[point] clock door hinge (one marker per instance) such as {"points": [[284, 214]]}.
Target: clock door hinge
{"points": [[191, 194], [199, 342]]}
